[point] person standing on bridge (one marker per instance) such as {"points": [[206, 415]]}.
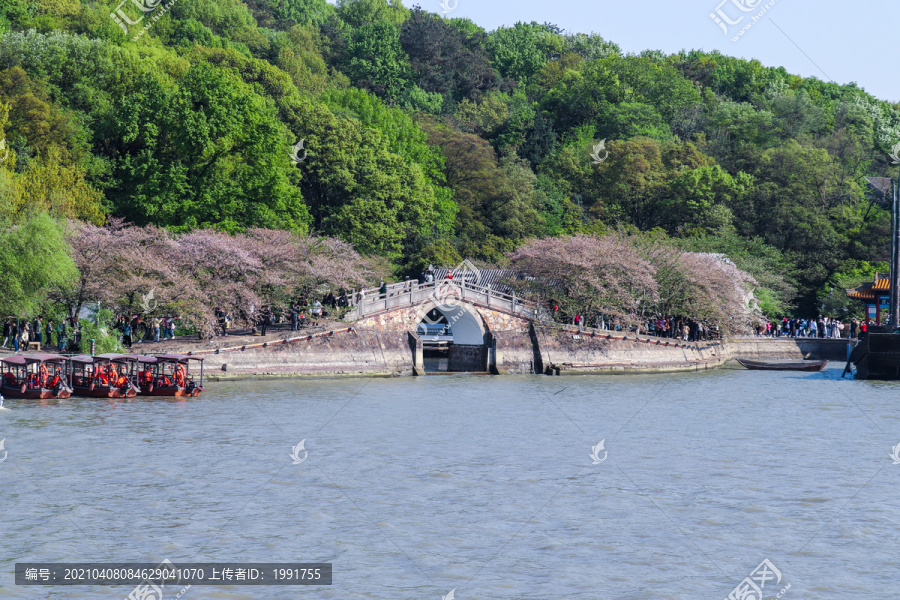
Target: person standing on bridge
{"points": [[383, 290]]}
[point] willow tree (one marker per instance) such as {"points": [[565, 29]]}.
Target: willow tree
{"points": [[34, 259]]}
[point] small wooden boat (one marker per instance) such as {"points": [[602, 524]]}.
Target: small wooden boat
{"points": [[168, 375], [783, 365], [35, 376], [104, 376]]}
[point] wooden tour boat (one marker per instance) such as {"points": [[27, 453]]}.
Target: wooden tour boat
{"points": [[168, 375], [784, 365], [35, 376], [105, 376]]}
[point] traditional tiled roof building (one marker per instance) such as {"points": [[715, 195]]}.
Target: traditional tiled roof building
{"points": [[875, 295]]}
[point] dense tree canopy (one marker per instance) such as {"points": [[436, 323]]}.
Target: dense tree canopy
{"points": [[428, 138]]}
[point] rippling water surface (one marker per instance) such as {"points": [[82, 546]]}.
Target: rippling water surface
{"points": [[416, 486]]}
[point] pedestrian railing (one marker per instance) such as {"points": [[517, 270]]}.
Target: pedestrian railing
{"points": [[446, 292]]}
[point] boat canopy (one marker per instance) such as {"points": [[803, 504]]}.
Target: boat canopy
{"points": [[112, 356], [143, 358], [21, 360], [177, 357], [83, 359]]}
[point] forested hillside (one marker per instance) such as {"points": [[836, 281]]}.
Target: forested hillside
{"points": [[428, 139]]}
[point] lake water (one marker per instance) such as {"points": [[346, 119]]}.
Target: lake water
{"points": [[414, 487]]}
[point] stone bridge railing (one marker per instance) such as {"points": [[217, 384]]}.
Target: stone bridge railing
{"points": [[447, 292]]}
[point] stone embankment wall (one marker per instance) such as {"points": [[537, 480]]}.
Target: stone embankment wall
{"points": [[389, 351], [343, 352], [775, 348], [584, 351]]}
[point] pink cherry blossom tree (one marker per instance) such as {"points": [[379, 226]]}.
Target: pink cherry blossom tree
{"points": [[589, 275], [195, 273], [631, 278]]}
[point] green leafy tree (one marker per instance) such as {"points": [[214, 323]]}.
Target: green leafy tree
{"points": [[539, 140], [288, 13], [360, 190], [231, 20], [208, 153], [297, 53], [375, 60], [582, 96], [446, 59], [591, 46], [358, 13], [35, 259], [695, 194], [403, 135], [520, 51]]}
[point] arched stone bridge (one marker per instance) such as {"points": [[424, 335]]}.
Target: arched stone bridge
{"points": [[498, 332], [472, 310]]}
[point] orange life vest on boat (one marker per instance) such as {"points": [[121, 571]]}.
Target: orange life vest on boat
{"points": [[44, 374], [179, 375]]}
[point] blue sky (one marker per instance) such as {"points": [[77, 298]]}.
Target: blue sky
{"points": [[827, 39]]}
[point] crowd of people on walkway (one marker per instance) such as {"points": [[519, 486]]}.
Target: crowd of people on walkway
{"points": [[300, 313], [19, 333], [681, 328], [139, 328], [817, 327], [687, 330]]}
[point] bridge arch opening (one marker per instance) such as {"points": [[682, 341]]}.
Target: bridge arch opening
{"points": [[453, 339]]}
